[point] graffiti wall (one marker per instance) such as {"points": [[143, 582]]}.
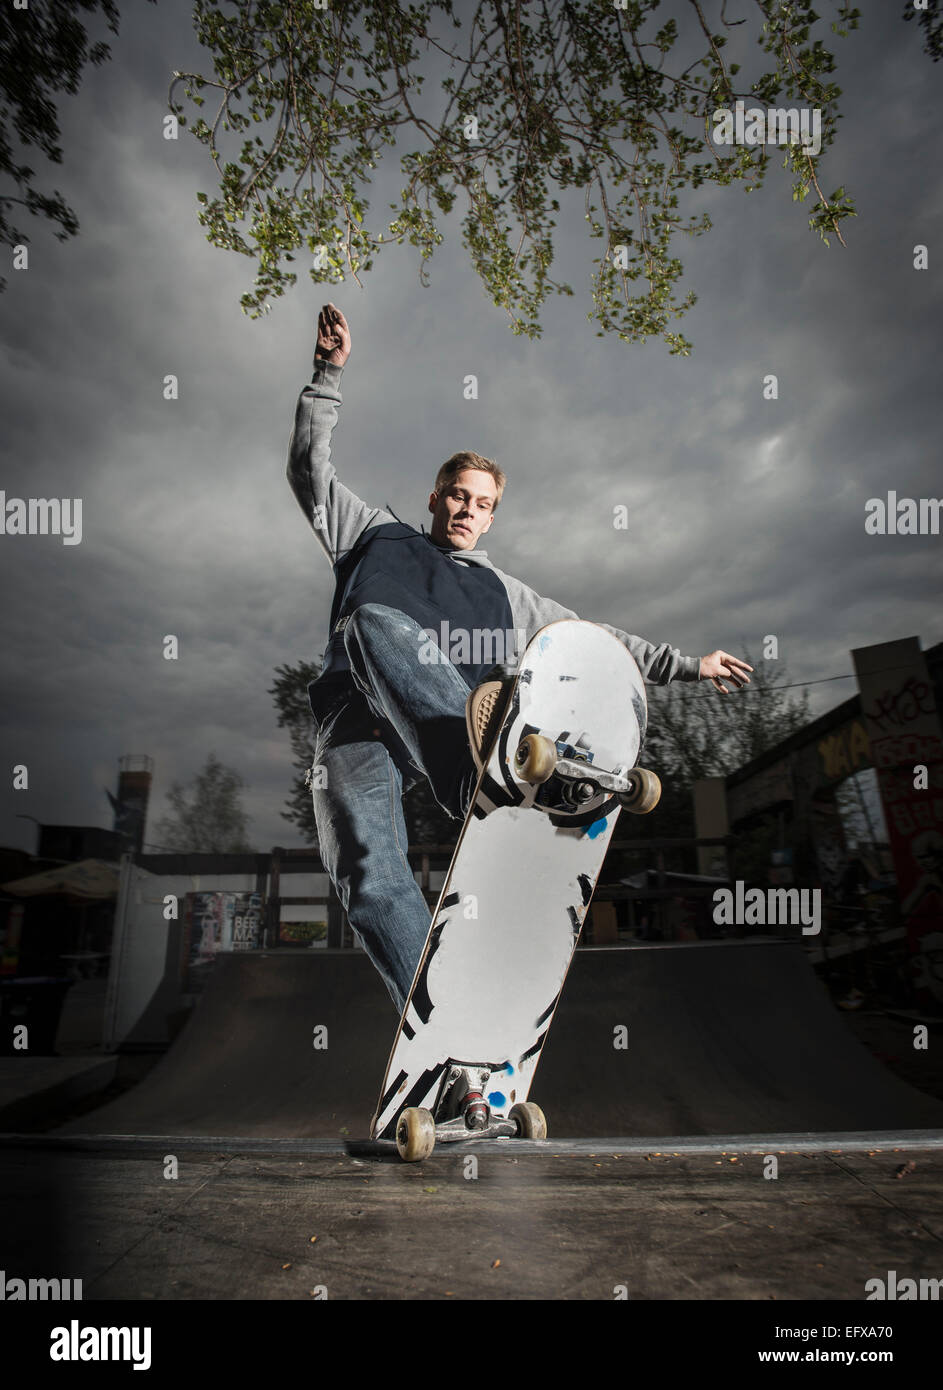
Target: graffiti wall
{"points": [[903, 726]]}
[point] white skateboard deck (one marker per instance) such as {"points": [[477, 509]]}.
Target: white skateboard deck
{"points": [[512, 906]]}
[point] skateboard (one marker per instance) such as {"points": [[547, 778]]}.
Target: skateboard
{"points": [[511, 909]]}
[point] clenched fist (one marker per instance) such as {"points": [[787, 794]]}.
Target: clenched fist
{"points": [[333, 336]]}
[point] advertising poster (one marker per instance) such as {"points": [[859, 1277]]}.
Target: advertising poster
{"points": [[218, 921]]}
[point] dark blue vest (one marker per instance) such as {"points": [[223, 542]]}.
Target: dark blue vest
{"points": [[400, 567]]}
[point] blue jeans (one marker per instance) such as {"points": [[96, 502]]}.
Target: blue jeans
{"points": [[403, 719]]}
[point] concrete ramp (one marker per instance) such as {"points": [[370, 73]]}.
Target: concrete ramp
{"points": [[721, 1038], [246, 1062]]}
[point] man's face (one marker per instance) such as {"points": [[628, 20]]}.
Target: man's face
{"points": [[463, 510]]}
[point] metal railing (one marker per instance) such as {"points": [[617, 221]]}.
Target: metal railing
{"points": [[429, 858]]}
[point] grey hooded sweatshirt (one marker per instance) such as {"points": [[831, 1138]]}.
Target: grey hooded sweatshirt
{"points": [[414, 574]]}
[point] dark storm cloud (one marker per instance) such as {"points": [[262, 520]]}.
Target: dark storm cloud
{"points": [[747, 516]]}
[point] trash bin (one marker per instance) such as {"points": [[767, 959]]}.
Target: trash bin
{"points": [[36, 1001]]}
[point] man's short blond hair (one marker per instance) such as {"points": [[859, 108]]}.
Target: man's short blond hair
{"points": [[459, 462]]}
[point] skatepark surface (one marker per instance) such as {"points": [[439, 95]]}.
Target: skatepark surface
{"points": [[714, 1038]]}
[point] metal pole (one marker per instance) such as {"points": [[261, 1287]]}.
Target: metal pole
{"points": [[119, 940]]}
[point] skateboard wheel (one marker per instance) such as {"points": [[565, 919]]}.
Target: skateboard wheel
{"points": [[645, 794], [415, 1134], [535, 759], [530, 1120]]}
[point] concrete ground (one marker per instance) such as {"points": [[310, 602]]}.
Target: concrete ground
{"points": [[169, 1220]]}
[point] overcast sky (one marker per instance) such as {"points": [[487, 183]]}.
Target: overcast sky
{"points": [[747, 515]]}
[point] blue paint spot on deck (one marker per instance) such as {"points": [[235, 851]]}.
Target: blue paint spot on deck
{"points": [[543, 643], [497, 1098], [597, 827]]}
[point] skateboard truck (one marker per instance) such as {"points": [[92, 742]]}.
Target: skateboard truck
{"points": [[466, 1091], [538, 758], [462, 1113]]}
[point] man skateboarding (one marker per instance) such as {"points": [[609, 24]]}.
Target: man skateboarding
{"points": [[424, 632]]}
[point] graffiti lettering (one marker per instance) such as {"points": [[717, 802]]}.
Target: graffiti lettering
{"points": [[845, 751], [912, 748], [917, 816], [913, 699]]}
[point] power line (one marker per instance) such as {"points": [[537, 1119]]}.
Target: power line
{"points": [[789, 685]]}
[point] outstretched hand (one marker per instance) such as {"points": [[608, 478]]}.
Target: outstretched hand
{"points": [[723, 664], [333, 336]]}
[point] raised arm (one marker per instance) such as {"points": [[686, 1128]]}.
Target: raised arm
{"points": [[336, 515]]}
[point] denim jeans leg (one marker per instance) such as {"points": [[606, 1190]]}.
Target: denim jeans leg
{"points": [[362, 838], [424, 700]]}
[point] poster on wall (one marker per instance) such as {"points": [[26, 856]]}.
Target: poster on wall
{"points": [[246, 921], [215, 922]]}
